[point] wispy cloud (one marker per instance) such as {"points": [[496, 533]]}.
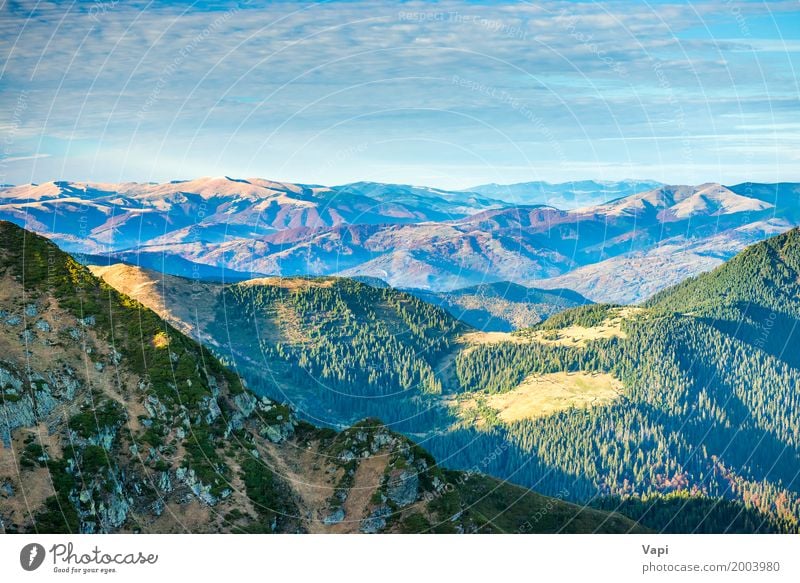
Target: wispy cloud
{"points": [[155, 90]]}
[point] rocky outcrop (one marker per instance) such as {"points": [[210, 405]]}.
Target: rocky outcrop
{"points": [[402, 487]]}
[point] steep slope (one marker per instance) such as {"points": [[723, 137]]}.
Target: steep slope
{"points": [[502, 306], [113, 421], [337, 349], [709, 410], [765, 275], [754, 297]]}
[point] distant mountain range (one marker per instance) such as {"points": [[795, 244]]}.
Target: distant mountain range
{"points": [[565, 195], [619, 250]]}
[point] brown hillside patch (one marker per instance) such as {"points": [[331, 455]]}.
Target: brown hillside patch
{"points": [[575, 335], [367, 479], [290, 283], [543, 395], [186, 304]]}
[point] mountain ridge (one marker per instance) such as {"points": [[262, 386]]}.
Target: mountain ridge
{"points": [[412, 237]]}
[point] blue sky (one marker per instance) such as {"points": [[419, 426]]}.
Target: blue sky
{"points": [[447, 94]]}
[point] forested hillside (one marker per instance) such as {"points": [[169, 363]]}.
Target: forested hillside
{"points": [[671, 405], [113, 421], [711, 401], [502, 306], [339, 349]]}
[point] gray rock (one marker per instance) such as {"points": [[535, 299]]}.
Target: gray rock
{"points": [[210, 404], [245, 403], [277, 433], [9, 379], [104, 437], [403, 488], [271, 433], [154, 407], [164, 482], [114, 512], [379, 441], [347, 456], [6, 489], [24, 412], [376, 521], [200, 490]]}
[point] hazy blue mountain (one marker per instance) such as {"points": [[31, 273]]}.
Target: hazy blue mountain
{"points": [[564, 195]]}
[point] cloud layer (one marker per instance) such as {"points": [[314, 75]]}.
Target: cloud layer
{"points": [[447, 93]]}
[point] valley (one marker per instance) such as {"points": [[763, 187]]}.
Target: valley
{"points": [[658, 401]]}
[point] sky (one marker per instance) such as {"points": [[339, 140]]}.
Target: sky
{"points": [[448, 94]]}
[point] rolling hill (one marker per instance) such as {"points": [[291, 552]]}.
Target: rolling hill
{"points": [[621, 250], [502, 306]]}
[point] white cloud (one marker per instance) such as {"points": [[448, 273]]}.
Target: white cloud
{"points": [[172, 88]]}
